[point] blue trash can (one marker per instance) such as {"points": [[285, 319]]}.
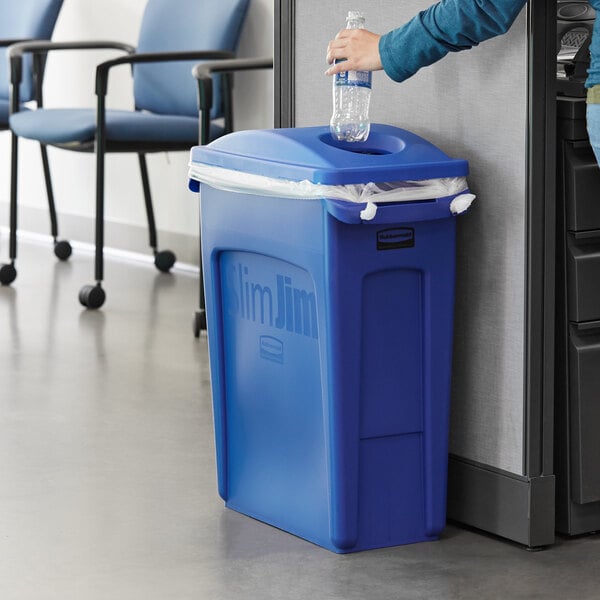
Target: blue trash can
{"points": [[330, 336]]}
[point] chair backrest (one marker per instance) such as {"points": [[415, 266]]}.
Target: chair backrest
{"points": [[172, 25], [24, 19]]}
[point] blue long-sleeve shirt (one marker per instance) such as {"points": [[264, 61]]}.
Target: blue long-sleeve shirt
{"points": [[448, 26], [453, 25], [594, 70]]}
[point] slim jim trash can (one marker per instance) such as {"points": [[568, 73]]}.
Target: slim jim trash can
{"points": [[330, 330]]}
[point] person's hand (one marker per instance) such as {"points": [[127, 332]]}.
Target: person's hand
{"points": [[359, 47]]}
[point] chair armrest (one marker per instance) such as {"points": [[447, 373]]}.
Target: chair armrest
{"points": [[203, 70], [203, 73], [103, 69], [11, 41], [16, 51], [154, 57]]}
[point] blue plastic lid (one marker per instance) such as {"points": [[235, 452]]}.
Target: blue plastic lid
{"points": [[311, 153]]}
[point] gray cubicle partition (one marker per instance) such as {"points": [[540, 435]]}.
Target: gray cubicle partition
{"points": [[495, 106]]}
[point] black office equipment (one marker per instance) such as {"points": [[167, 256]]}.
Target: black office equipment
{"points": [[577, 382], [574, 23]]}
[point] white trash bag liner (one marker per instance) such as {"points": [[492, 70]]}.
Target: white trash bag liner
{"points": [[369, 193]]}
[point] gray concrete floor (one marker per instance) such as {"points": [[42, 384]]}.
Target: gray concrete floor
{"points": [[107, 474]]}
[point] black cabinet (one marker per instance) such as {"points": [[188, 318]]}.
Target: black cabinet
{"points": [[577, 375], [584, 414]]}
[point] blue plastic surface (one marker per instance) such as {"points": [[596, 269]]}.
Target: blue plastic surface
{"points": [[389, 154], [167, 26], [330, 348]]}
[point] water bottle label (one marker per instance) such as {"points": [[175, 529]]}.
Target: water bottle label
{"points": [[354, 78]]}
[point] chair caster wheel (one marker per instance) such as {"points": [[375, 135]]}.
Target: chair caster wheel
{"points": [[8, 274], [62, 249], [199, 322], [92, 296], [164, 260]]}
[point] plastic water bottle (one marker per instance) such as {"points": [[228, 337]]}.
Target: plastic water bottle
{"points": [[351, 97]]}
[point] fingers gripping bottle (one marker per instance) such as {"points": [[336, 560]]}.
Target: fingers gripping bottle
{"points": [[351, 97]]}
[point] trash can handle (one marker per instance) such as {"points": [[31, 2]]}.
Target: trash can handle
{"points": [[392, 212]]}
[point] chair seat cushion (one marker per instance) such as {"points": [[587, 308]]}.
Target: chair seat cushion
{"points": [[78, 125], [4, 112]]}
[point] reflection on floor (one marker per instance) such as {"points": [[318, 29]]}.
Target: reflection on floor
{"points": [[107, 474]]}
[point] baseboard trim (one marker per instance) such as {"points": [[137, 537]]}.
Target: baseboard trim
{"points": [[119, 237], [116, 253], [518, 508]]}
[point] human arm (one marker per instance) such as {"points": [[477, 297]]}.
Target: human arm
{"points": [[448, 26]]}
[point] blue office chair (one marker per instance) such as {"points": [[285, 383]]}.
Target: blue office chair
{"points": [[205, 73], [19, 21], [174, 35]]}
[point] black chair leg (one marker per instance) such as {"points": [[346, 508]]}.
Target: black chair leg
{"points": [[200, 314], [8, 272], [93, 296], [62, 248], [164, 259]]}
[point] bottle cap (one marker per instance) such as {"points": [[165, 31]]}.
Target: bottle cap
{"points": [[355, 15]]}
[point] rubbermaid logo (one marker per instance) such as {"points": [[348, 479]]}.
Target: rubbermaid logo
{"points": [[399, 237], [271, 348]]}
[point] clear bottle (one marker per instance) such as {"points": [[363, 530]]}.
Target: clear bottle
{"points": [[351, 97]]}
